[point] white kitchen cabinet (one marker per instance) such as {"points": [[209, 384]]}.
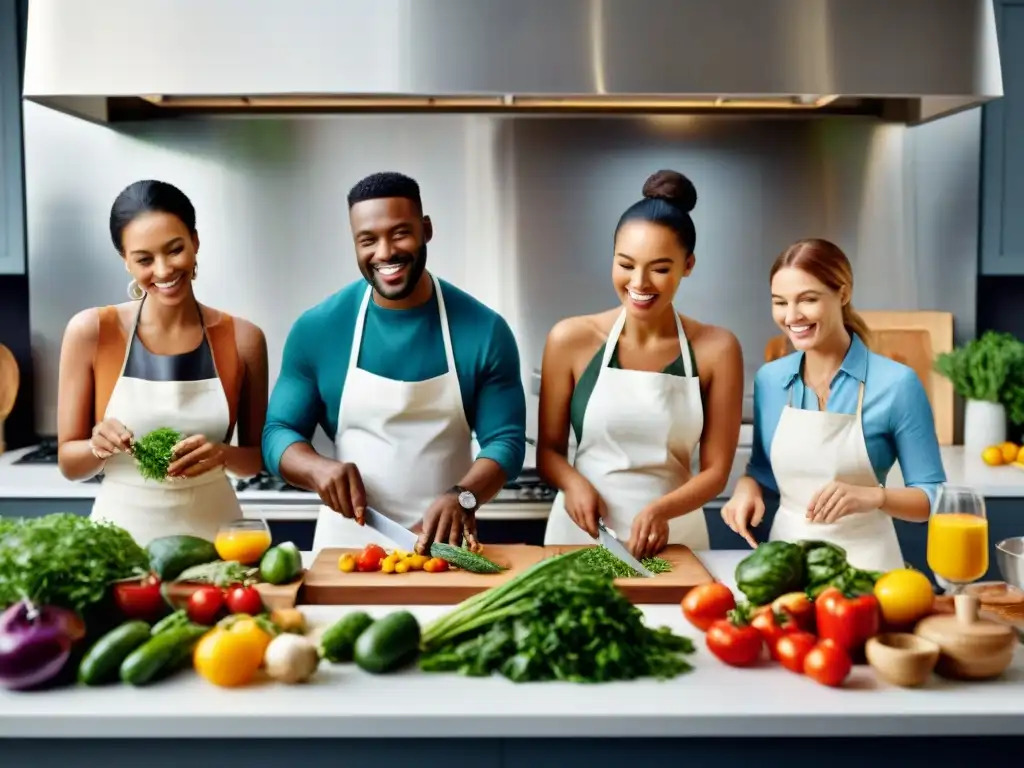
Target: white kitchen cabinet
{"points": [[12, 177]]}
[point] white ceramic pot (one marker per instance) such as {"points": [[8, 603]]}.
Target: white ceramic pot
{"points": [[984, 425]]}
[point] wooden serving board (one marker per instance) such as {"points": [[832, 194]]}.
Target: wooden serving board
{"points": [[275, 596], [671, 587], [325, 584]]}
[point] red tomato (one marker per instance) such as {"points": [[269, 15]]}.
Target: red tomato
{"points": [[734, 641], [773, 624], [370, 557], [706, 604], [244, 600], [140, 598], [205, 605], [792, 649], [828, 663]]}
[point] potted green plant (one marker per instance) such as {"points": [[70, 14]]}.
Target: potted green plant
{"points": [[988, 372]]}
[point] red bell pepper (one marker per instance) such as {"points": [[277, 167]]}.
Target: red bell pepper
{"points": [[140, 598], [846, 620]]}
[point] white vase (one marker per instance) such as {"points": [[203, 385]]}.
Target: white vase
{"points": [[984, 426]]}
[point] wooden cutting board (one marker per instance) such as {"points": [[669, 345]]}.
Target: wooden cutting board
{"points": [[325, 584], [665, 588], [275, 596]]}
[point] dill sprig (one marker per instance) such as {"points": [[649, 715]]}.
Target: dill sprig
{"points": [[599, 559]]}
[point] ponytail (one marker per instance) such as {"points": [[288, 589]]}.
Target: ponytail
{"points": [[855, 324]]}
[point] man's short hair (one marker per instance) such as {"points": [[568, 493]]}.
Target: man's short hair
{"points": [[385, 184]]}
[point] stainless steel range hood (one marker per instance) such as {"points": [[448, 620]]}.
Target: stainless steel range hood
{"points": [[903, 60]]}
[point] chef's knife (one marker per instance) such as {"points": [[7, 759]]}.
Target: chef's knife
{"points": [[399, 534], [614, 546]]}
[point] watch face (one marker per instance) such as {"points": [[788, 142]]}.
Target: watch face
{"points": [[467, 500]]}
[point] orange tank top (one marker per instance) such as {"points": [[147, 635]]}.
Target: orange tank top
{"points": [[112, 346]]}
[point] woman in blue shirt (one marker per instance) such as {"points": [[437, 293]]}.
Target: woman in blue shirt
{"points": [[831, 419]]}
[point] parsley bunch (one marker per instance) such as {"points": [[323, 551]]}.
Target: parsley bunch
{"points": [[153, 452]]}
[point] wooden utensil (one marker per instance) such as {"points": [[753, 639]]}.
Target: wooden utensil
{"points": [[972, 647], [9, 382], [902, 658]]}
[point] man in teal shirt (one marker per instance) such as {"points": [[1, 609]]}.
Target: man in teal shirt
{"points": [[401, 368]]}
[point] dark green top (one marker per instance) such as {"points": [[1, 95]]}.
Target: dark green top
{"points": [[585, 385]]}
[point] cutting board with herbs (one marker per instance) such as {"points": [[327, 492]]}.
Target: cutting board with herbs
{"points": [[680, 571], [326, 583]]}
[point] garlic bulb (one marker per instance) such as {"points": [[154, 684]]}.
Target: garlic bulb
{"points": [[291, 659]]}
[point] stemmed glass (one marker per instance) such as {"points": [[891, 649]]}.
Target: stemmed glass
{"points": [[958, 537], [243, 540]]}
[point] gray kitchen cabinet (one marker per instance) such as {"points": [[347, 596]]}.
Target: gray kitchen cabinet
{"points": [[12, 184], [1002, 153]]}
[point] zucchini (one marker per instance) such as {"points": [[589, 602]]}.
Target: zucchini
{"points": [[338, 640], [101, 663], [170, 555], [463, 558], [388, 644], [160, 655]]}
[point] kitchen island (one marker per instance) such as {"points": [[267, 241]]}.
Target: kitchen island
{"points": [[712, 713]]}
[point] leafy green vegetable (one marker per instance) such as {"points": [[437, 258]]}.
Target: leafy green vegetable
{"points": [[65, 560], [989, 368], [153, 454], [556, 621], [599, 559], [770, 571], [220, 573], [823, 561]]}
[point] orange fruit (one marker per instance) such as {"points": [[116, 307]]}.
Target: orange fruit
{"points": [[1010, 451], [993, 455]]}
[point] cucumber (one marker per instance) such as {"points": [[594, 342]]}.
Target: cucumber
{"points": [[160, 655], [177, 619], [101, 663], [170, 555], [338, 641], [281, 564], [463, 558], [389, 643]]}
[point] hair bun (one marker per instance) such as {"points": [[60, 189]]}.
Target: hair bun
{"points": [[672, 187]]}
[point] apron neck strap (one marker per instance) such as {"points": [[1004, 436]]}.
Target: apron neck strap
{"points": [[860, 391], [620, 323]]}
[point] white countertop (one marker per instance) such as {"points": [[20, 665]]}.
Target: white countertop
{"points": [[712, 700]]}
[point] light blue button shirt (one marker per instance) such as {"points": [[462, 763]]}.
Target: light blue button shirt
{"points": [[897, 417]]}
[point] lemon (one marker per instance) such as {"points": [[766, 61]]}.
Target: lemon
{"points": [[1009, 451], [904, 596], [993, 456]]}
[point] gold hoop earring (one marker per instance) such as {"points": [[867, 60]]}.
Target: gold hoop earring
{"points": [[135, 292]]}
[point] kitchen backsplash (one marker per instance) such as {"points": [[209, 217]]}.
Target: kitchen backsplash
{"points": [[523, 212]]}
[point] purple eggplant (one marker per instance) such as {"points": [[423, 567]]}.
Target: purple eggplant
{"points": [[35, 643]]}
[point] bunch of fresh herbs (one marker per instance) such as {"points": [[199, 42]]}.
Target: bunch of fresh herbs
{"points": [[989, 368], [153, 452], [65, 560], [599, 559], [556, 621]]}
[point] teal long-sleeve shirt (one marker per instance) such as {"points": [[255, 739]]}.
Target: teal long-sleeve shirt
{"points": [[406, 345]]}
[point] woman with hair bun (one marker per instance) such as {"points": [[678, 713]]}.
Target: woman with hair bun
{"points": [[639, 387], [161, 360], [831, 419]]}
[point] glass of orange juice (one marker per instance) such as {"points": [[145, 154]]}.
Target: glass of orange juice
{"points": [[958, 537], [243, 540]]}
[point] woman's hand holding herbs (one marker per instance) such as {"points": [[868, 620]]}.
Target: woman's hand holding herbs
{"points": [[196, 455], [110, 436]]}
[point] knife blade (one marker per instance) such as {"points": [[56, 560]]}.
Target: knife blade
{"points": [[402, 537], [616, 547]]}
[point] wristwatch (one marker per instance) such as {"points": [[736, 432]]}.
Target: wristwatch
{"points": [[467, 499]]}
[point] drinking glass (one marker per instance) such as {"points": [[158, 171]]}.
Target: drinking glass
{"points": [[958, 537], [244, 541]]}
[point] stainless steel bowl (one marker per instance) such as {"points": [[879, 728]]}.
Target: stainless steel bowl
{"points": [[1010, 558]]}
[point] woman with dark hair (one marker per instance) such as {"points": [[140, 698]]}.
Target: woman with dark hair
{"points": [[161, 360], [831, 419], [638, 387]]}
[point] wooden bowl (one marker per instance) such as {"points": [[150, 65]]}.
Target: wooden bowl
{"points": [[902, 658], [972, 647]]}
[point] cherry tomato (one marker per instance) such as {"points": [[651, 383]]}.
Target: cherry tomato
{"points": [[792, 649], [734, 641], [244, 600], [706, 604], [773, 625], [828, 664], [140, 598], [370, 558], [205, 605]]}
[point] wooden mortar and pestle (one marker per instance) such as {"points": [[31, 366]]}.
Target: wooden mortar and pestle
{"points": [[971, 648]]}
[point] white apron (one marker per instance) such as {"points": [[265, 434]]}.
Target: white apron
{"points": [[409, 440], [640, 429], [147, 509], [811, 449]]}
